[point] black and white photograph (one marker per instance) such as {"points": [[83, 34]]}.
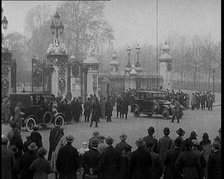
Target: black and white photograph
{"points": [[111, 89]]}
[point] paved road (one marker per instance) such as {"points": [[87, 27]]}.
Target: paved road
{"points": [[201, 121]]}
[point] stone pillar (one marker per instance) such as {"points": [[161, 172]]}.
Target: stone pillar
{"points": [[92, 65], [165, 65], [133, 77]]}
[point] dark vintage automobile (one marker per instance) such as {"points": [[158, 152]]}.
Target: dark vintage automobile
{"points": [[152, 103], [37, 109]]}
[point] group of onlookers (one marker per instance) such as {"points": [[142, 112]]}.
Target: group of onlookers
{"points": [[179, 158]]}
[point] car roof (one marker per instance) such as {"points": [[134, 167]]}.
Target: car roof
{"points": [[151, 92]]}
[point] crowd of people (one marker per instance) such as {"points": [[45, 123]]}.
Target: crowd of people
{"points": [[99, 158]]}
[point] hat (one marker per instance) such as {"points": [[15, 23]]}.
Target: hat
{"points": [[69, 138], [166, 130], [4, 140], [32, 146], [151, 129], [96, 133], [193, 134], [109, 140], [94, 143], [123, 136], [178, 142], [180, 132], [140, 142], [216, 144], [41, 152], [205, 136], [84, 143]]}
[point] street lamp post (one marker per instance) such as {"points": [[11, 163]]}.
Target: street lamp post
{"points": [[213, 73], [57, 26], [129, 56], [137, 52], [4, 21]]}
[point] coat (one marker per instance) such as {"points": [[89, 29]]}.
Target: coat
{"points": [[214, 165], [207, 149], [119, 102], [96, 112], [120, 146], [92, 160], [163, 146], [124, 168], [41, 168], [67, 161], [55, 136], [151, 140], [26, 159], [109, 108], [37, 138], [18, 142], [124, 106], [7, 163], [157, 167], [189, 164], [140, 164], [111, 160], [170, 171]]}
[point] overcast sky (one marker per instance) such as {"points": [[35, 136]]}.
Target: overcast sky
{"points": [[134, 21]]}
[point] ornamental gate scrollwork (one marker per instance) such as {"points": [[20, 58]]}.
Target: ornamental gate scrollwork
{"points": [[61, 79]]}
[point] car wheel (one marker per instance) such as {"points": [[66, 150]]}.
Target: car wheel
{"points": [[136, 112], [30, 123], [165, 113], [59, 121], [47, 117]]}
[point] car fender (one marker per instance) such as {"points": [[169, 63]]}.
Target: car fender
{"points": [[30, 117]]}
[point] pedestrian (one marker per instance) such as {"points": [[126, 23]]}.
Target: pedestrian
{"points": [[111, 161], [193, 135], [125, 163], [109, 109], [92, 161], [193, 101], [119, 101], [17, 156], [150, 139], [124, 107], [11, 132], [96, 113], [16, 118], [176, 110], [214, 162], [36, 137], [170, 171], [26, 160], [7, 160], [40, 166], [101, 146], [141, 162], [157, 167], [164, 144], [55, 136], [17, 141], [67, 162], [102, 105], [87, 110], [120, 146], [188, 162]]}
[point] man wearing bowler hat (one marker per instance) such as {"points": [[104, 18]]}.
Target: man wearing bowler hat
{"points": [[120, 146], [180, 132], [111, 160], [68, 160], [151, 140], [164, 144]]}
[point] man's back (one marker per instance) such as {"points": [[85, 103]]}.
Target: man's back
{"points": [[7, 162]]}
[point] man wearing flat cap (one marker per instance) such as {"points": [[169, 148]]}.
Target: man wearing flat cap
{"points": [[7, 160], [150, 139], [141, 161], [120, 146], [111, 159], [92, 160], [68, 159], [214, 161], [164, 144]]}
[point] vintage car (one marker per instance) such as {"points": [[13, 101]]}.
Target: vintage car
{"points": [[152, 103], [37, 109]]}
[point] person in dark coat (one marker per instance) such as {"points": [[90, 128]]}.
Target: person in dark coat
{"points": [[26, 159], [150, 139], [92, 160], [180, 132], [188, 162], [26, 144], [7, 160], [141, 162], [176, 111], [40, 166], [170, 171], [157, 167], [17, 141], [214, 162], [119, 101], [111, 161], [17, 156], [36, 137], [68, 160], [120, 146], [80, 110], [125, 162], [124, 107], [164, 144], [193, 135], [109, 109], [96, 113], [55, 135], [87, 110]]}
